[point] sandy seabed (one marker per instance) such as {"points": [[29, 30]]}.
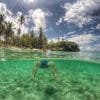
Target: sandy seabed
{"points": [[79, 80]]}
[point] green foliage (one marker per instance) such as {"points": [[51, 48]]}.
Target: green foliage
{"points": [[64, 46], [41, 39], [71, 46], [25, 40], [1, 29], [8, 33], [21, 21], [2, 24], [33, 39]]}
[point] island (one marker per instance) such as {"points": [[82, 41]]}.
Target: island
{"points": [[31, 40]]}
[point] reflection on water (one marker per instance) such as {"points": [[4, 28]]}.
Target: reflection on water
{"points": [[6, 54], [2, 54]]}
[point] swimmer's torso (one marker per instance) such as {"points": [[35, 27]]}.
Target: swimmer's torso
{"points": [[43, 63]]}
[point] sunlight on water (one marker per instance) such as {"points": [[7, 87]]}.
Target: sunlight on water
{"points": [[2, 55]]}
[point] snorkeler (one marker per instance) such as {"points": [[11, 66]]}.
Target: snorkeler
{"points": [[44, 63]]}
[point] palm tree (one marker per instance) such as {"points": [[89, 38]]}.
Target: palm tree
{"points": [[8, 32], [42, 40], [21, 22], [2, 18], [32, 39], [2, 28]]}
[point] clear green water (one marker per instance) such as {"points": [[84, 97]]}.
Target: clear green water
{"points": [[79, 77]]}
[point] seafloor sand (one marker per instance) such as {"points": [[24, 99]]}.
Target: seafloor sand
{"points": [[79, 80]]}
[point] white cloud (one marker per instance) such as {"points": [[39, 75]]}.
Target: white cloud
{"points": [[86, 48], [97, 47], [3, 8], [67, 6], [70, 33], [6, 12], [18, 14], [56, 39], [80, 11], [84, 39], [39, 18], [59, 21], [98, 27], [9, 17], [24, 29], [28, 1]]}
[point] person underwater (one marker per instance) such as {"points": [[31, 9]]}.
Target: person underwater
{"points": [[44, 64]]}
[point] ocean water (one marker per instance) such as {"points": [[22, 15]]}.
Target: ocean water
{"points": [[78, 72]]}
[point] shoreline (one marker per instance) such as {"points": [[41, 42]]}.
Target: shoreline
{"points": [[21, 49], [14, 48]]}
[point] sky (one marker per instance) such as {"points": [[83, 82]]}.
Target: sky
{"points": [[73, 20]]}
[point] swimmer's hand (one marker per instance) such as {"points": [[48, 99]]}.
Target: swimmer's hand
{"points": [[33, 78], [35, 68], [57, 78]]}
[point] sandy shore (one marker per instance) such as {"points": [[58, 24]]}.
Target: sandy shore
{"points": [[22, 49]]}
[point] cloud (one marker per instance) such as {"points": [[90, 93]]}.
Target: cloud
{"points": [[9, 17], [70, 33], [6, 12], [95, 47], [98, 27], [59, 21], [39, 18], [3, 8], [29, 1], [81, 11], [84, 39], [24, 27]]}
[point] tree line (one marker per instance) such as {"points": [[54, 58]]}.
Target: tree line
{"points": [[30, 40], [64, 46], [8, 38]]}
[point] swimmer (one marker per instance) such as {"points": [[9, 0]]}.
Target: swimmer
{"points": [[44, 63]]}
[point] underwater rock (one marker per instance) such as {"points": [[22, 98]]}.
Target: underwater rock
{"points": [[50, 90]]}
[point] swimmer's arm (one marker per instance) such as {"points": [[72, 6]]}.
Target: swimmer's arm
{"points": [[54, 70], [35, 69]]}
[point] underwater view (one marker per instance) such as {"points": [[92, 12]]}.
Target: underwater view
{"points": [[79, 77]]}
